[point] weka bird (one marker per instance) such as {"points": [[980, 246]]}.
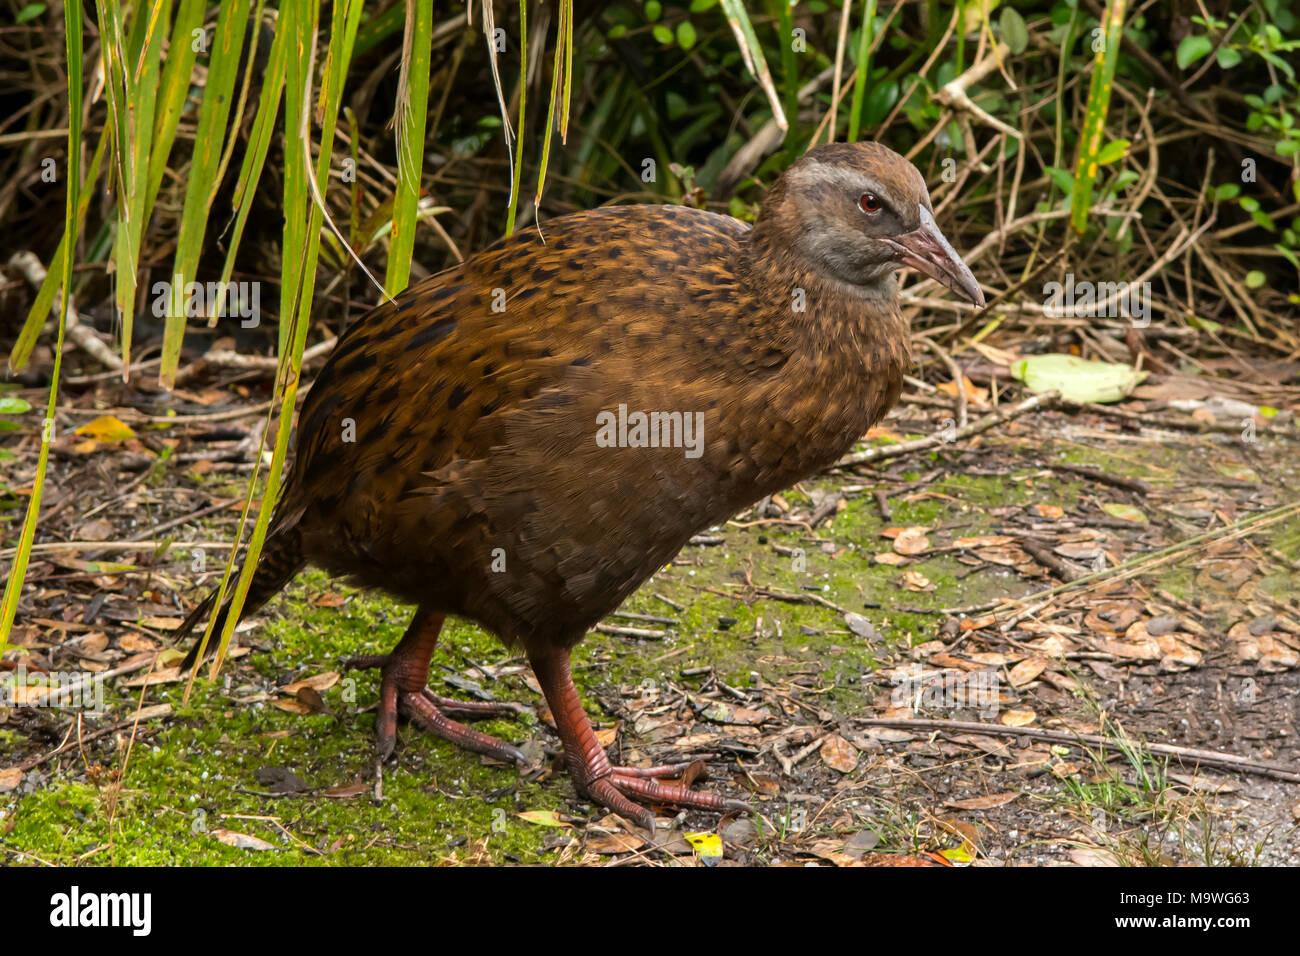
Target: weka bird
{"points": [[457, 450]]}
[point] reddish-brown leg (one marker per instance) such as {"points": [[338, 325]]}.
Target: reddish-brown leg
{"points": [[593, 775], [403, 689]]}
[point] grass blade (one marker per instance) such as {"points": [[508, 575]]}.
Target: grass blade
{"points": [[72, 14], [44, 302], [789, 64], [298, 271], [223, 68], [259, 141], [173, 91], [139, 97], [412, 114], [561, 86], [752, 52], [864, 66], [489, 31], [1094, 120], [518, 158]]}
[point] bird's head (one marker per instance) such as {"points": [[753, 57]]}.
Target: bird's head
{"points": [[858, 212]]}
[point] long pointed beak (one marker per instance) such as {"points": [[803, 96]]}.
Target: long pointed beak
{"points": [[926, 250]]}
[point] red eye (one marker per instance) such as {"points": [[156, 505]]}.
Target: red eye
{"points": [[869, 203]]}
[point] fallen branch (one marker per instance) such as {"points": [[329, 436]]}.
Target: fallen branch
{"points": [[1043, 399], [49, 547], [1204, 758], [1096, 474], [129, 415], [83, 336], [953, 94], [1249, 525], [224, 358]]}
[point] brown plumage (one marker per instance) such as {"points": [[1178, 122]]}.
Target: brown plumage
{"points": [[454, 452]]}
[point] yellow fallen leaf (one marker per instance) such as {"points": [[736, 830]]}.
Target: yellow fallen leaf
{"points": [[707, 846], [161, 623], [916, 581], [164, 675], [613, 843], [542, 818], [1125, 512], [958, 854], [136, 643], [106, 428]]}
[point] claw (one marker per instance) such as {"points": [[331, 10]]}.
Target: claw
{"points": [[616, 788]]}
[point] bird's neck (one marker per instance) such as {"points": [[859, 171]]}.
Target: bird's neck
{"points": [[812, 312], [848, 345]]}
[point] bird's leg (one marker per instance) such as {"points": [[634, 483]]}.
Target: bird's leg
{"points": [[593, 775], [403, 688]]}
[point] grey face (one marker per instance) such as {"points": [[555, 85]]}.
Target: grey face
{"points": [[860, 228]]}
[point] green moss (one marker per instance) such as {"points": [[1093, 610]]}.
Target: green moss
{"points": [[440, 803], [198, 775]]}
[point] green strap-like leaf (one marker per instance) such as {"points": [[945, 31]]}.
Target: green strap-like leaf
{"points": [[298, 270], [72, 14], [412, 114], [1094, 120], [54, 276], [173, 92], [259, 141], [518, 171], [214, 112], [561, 87]]}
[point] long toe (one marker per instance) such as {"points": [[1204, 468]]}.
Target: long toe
{"points": [[472, 709], [663, 770], [646, 788], [609, 796], [386, 721], [422, 712], [364, 662], [621, 790]]}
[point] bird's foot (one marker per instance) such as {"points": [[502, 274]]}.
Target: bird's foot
{"points": [[618, 788], [401, 692], [615, 788]]}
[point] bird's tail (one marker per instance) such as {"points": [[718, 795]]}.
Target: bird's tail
{"points": [[280, 560]]}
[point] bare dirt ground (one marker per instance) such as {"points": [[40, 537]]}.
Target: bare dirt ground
{"points": [[1071, 638]]}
